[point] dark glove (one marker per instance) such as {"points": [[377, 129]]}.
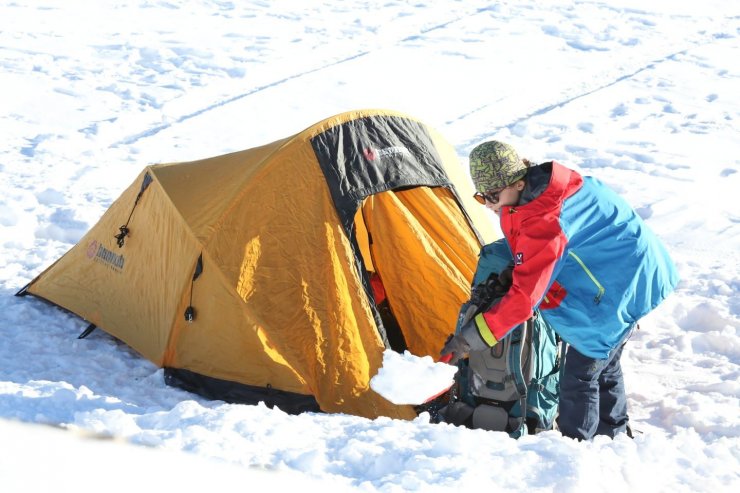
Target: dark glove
{"points": [[456, 347], [483, 295], [505, 278]]}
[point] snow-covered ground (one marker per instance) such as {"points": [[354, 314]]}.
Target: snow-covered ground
{"points": [[643, 95]]}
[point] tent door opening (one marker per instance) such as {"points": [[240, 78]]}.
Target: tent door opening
{"points": [[418, 251], [391, 330]]}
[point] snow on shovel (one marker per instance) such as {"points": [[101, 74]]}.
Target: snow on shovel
{"points": [[408, 379]]}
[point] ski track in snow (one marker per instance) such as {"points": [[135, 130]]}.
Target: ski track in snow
{"points": [[153, 131], [600, 83], [559, 104], [414, 37]]}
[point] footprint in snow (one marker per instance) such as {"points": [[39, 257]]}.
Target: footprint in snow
{"points": [[619, 110], [586, 127]]}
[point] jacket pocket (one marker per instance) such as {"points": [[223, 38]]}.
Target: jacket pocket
{"points": [[554, 296], [599, 288]]}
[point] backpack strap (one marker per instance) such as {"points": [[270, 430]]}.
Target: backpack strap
{"points": [[517, 371]]}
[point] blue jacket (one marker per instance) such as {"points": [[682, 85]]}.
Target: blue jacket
{"points": [[585, 259]]}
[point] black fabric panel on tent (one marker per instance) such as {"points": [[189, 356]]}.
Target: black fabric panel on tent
{"points": [[370, 155], [238, 393]]}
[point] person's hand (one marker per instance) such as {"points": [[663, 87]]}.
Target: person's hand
{"points": [[468, 338], [456, 347]]}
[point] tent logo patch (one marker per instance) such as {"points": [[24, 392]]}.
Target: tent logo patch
{"points": [[99, 253], [373, 154], [519, 260]]}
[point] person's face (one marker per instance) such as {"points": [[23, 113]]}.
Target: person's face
{"points": [[496, 199]]}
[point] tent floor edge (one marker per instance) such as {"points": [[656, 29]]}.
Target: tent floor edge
{"points": [[239, 393]]}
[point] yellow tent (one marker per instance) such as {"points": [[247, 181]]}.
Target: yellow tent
{"points": [[250, 276]]}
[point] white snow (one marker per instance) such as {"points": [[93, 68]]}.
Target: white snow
{"points": [[408, 379], [643, 95]]}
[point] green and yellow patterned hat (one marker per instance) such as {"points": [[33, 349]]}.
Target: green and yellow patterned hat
{"points": [[495, 165]]}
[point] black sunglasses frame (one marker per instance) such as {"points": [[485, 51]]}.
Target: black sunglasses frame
{"points": [[492, 196]]}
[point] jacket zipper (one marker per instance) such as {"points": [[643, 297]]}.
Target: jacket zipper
{"points": [[512, 210], [601, 290]]}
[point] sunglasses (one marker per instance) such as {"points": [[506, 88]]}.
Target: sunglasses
{"points": [[491, 196]]}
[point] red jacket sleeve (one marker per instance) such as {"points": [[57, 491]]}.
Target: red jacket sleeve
{"points": [[537, 243]]}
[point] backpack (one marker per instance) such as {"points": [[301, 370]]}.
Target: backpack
{"points": [[513, 386]]}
